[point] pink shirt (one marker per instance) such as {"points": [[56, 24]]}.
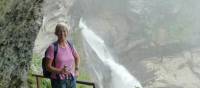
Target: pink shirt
{"points": [[64, 57]]}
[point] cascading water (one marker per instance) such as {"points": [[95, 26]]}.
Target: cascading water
{"points": [[120, 77]]}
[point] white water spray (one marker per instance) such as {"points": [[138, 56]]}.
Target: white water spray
{"points": [[121, 78]]}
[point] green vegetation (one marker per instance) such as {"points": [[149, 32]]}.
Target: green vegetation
{"points": [[44, 83], [4, 7], [83, 77], [36, 69]]}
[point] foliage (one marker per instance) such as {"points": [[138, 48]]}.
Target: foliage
{"points": [[4, 7]]}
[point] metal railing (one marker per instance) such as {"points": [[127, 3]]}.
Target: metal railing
{"points": [[79, 82]]}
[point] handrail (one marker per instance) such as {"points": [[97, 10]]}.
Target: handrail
{"points": [[79, 82]]}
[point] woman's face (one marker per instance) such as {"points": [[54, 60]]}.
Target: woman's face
{"points": [[61, 34]]}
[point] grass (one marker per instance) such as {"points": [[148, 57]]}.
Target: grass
{"points": [[44, 83], [83, 77]]}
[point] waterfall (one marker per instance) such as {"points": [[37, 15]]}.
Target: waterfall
{"points": [[120, 77]]}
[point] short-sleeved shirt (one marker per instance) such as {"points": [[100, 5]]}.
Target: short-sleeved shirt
{"points": [[64, 57]]}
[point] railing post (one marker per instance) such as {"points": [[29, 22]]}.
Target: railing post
{"points": [[38, 82], [94, 86]]}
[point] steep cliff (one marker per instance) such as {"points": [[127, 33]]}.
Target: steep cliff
{"points": [[20, 21]]}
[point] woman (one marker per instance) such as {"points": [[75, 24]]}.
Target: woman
{"points": [[65, 70]]}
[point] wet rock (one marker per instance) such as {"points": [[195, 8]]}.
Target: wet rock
{"points": [[20, 22]]}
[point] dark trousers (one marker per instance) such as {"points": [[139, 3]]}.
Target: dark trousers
{"points": [[66, 83]]}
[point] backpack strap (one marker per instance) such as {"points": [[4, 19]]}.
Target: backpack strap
{"points": [[71, 47], [55, 44]]}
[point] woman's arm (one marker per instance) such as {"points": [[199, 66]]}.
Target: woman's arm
{"points": [[77, 60], [50, 68], [77, 63]]}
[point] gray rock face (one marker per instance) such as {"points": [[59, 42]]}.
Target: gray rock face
{"points": [[20, 22]]}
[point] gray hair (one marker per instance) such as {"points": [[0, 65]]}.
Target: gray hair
{"points": [[61, 26]]}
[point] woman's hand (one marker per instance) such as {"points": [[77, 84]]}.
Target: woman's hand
{"points": [[64, 71], [76, 73]]}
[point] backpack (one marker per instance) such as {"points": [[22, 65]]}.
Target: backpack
{"points": [[46, 73]]}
